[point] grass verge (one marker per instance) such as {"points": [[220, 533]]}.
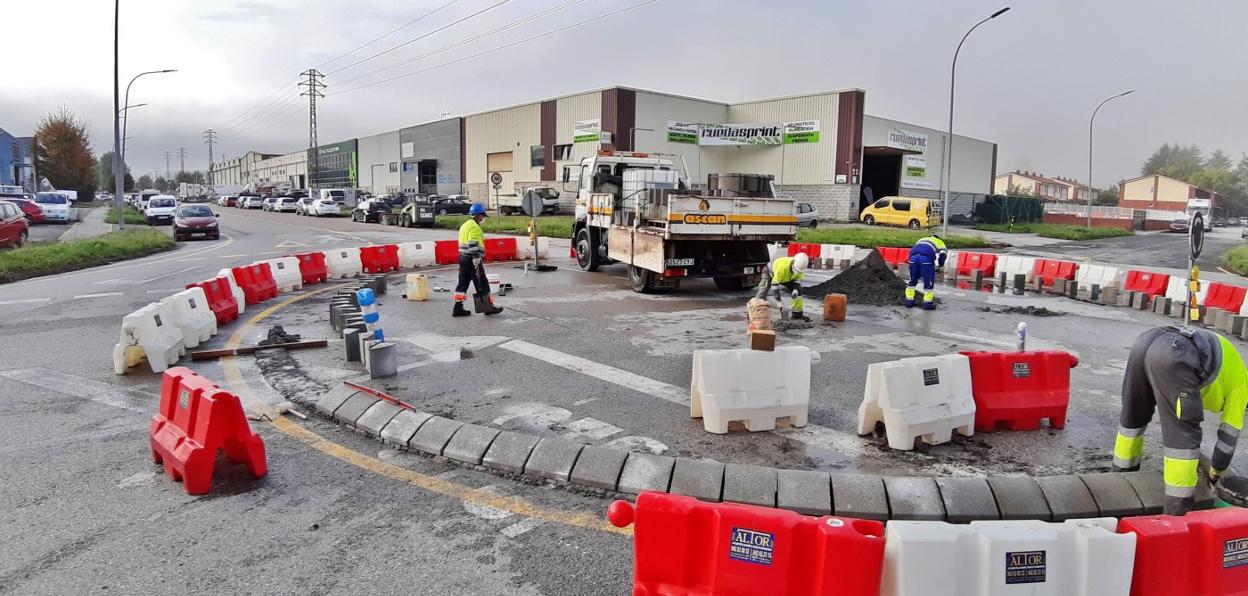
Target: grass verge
{"points": [[550, 226], [132, 215], [1236, 260], [51, 258], [1058, 231], [871, 237]]}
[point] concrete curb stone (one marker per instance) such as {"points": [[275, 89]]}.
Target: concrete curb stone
{"points": [[699, 478], [400, 430], [1149, 488], [553, 459], [1020, 497], [470, 443], [860, 496], [1068, 497], [509, 452], [354, 407], [644, 471], [599, 467], [967, 499], [806, 492], [434, 435], [914, 498], [1113, 495], [333, 399], [377, 417], [752, 485]]}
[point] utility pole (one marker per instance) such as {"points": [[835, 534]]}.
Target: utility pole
{"points": [[118, 179], [181, 159], [168, 156], [210, 137], [313, 86]]}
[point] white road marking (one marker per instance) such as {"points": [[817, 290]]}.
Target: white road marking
{"points": [[232, 256], [189, 259], [521, 527], [166, 291], [581, 402], [289, 244], [100, 295], [24, 301], [109, 395], [170, 274], [273, 252]]}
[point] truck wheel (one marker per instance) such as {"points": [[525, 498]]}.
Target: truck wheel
{"points": [[642, 280], [730, 283], [585, 257]]}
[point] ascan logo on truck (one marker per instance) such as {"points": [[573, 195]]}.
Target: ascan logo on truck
{"points": [[708, 219]]}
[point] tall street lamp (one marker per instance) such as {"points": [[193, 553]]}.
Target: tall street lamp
{"points": [[1090, 123], [126, 123], [945, 182], [126, 116]]}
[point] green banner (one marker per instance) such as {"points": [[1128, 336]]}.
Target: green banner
{"points": [[587, 131], [801, 132]]}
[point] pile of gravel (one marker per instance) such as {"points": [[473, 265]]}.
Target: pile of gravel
{"points": [[1032, 311], [867, 282]]}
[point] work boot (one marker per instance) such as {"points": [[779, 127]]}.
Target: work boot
{"points": [[485, 305], [460, 311], [909, 304], [800, 316], [929, 306]]}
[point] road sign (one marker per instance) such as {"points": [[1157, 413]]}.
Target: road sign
{"points": [[1196, 235], [496, 179], [531, 204]]}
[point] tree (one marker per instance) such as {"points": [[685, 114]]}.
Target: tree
{"points": [[195, 177], [1018, 191], [63, 151], [1175, 161], [146, 182], [1218, 161], [1106, 197], [104, 171]]}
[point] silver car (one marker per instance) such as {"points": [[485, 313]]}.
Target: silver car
{"points": [[321, 207], [807, 216]]}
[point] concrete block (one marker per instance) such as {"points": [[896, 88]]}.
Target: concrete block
{"points": [[914, 498], [1095, 293], [553, 459], [1114, 496], [1072, 289], [967, 499], [1238, 323], [1020, 283], [1109, 296], [1058, 287], [752, 485], [470, 443], [599, 467], [1143, 300], [644, 471], [699, 478], [354, 407], [377, 417], [846, 264], [977, 278], [403, 426], [1150, 488], [1003, 278], [434, 435], [1019, 497], [805, 492], [1223, 322], [509, 452], [351, 344], [858, 495], [383, 360], [1068, 497], [334, 398]]}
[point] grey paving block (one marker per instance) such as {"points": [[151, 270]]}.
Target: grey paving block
{"points": [[967, 499], [699, 478], [599, 467], [1114, 496], [403, 426], [354, 407], [645, 471], [914, 498], [1020, 497], [333, 398], [1150, 488], [470, 443], [752, 485], [806, 492], [375, 418], [553, 459], [434, 435], [509, 452], [1068, 497], [859, 495]]}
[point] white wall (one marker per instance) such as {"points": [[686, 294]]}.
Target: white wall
{"points": [[568, 110], [654, 110], [799, 164], [376, 154], [972, 158], [515, 130]]}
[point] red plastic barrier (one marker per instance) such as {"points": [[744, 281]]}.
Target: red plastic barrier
{"points": [[809, 249], [1017, 389], [500, 249], [977, 261], [893, 255], [379, 259], [256, 281], [1049, 270], [1202, 553], [196, 418], [220, 298], [684, 546], [1151, 283], [312, 267], [1225, 296], [446, 252]]}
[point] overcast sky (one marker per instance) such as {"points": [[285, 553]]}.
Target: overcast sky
{"points": [[1028, 80]]}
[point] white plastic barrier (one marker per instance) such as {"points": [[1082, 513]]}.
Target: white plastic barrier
{"points": [[752, 386], [286, 273], [1101, 275], [524, 250], [927, 397], [831, 255], [151, 333], [416, 254], [1176, 289], [776, 250], [341, 263], [239, 296], [192, 316], [1012, 265], [1081, 557]]}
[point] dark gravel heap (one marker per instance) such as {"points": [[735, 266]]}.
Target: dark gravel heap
{"points": [[868, 282], [277, 335], [1032, 311]]}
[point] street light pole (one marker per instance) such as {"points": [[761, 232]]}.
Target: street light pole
{"points": [[118, 181], [1090, 123], [125, 125], [946, 182]]}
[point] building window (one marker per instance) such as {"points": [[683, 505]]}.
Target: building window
{"points": [[394, 167], [563, 152], [537, 156]]}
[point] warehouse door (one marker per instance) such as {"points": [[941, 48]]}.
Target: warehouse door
{"points": [[501, 163], [881, 173]]}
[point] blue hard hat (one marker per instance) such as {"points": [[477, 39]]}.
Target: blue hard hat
{"points": [[476, 209]]}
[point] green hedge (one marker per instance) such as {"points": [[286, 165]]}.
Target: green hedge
{"points": [[1236, 260], [871, 237], [51, 258], [133, 216], [550, 226], [1058, 231]]}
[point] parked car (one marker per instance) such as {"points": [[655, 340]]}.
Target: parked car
{"points": [[55, 206], [303, 204], [1180, 224], [323, 207], [160, 209], [1243, 221], [807, 216], [909, 212], [251, 202], [454, 204], [268, 203], [285, 205], [370, 210], [13, 227], [29, 208], [417, 212], [144, 197], [195, 221]]}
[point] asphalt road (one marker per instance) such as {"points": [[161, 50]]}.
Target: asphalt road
{"points": [[1152, 249]]}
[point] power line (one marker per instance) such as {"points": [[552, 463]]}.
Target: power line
{"points": [[499, 48], [313, 85], [265, 108], [412, 41], [275, 118], [181, 159], [392, 32], [267, 98]]}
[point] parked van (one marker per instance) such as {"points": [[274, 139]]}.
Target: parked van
{"points": [[55, 206], [908, 212]]}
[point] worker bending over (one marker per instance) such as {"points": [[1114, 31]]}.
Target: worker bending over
{"points": [[926, 257], [786, 272], [472, 268], [1181, 371]]}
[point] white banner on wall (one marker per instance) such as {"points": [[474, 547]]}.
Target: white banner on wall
{"points": [[914, 172], [806, 131], [904, 139], [587, 131], [409, 150]]}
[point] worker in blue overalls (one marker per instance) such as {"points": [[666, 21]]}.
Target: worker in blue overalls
{"points": [[926, 257]]}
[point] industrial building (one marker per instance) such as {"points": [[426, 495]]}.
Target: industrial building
{"points": [[17, 161], [820, 148]]}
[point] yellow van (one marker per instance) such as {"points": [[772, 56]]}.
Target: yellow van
{"points": [[907, 212]]}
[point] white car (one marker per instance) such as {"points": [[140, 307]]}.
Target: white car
{"points": [[55, 206], [286, 204], [321, 207], [303, 205], [251, 202], [160, 209]]}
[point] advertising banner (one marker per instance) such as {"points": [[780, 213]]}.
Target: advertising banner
{"points": [[740, 134], [806, 131], [914, 172], [682, 132], [587, 131], [904, 139]]}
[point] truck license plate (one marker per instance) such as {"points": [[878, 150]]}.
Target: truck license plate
{"points": [[749, 270], [679, 262]]}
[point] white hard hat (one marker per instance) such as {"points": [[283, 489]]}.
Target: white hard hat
{"points": [[800, 261]]}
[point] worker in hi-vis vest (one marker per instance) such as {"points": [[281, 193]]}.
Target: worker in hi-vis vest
{"points": [[786, 272], [926, 257], [471, 267], [1181, 371]]}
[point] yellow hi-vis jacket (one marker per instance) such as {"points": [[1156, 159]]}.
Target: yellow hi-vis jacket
{"points": [[471, 239], [782, 271]]}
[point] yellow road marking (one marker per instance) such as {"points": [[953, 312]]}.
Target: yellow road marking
{"points": [[458, 491]]}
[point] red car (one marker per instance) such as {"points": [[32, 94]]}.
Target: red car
{"points": [[28, 207], [195, 221], [13, 226]]}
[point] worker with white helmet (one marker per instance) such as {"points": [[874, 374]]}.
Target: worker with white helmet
{"points": [[786, 272]]}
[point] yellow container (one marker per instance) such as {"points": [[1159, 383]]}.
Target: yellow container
{"points": [[417, 287]]}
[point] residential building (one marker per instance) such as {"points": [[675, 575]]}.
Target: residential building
{"points": [[1059, 189], [1155, 191]]}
